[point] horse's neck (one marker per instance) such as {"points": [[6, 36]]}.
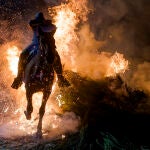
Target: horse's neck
{"points": [[46, 51]]}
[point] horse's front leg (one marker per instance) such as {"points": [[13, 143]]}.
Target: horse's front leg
{"points": [[29, 108], [41, 113]]}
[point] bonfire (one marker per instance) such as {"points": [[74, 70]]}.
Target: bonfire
{"points": [[74, 115]]}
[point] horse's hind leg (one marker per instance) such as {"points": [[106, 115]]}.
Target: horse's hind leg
{"points": [[41, 113], [29, 109]]}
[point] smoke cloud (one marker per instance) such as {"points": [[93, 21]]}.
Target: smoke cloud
{"points": [[113, 25], [54, 127], [141, 78], [123, 24], [120, 26]]}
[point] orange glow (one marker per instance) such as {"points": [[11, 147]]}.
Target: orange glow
{"points": [[66, 22], [66, 17], [26, 126], [13, 57], [117, 65]]}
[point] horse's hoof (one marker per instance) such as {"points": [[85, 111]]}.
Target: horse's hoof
{"points": [[39, 134], [28, 116]]}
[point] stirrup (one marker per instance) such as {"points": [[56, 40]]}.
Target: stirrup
{"points": [[16, 83]]}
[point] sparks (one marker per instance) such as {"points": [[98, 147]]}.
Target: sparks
{"points": [[118, 65], [63, 136], [28, 127]]}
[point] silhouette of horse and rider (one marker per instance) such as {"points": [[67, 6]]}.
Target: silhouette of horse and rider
{"points": [[37, 64]]}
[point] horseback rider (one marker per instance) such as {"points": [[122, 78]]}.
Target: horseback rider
{"points": [[40, 27]]}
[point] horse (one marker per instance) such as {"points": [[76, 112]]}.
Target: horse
{"points": [[39, 77]]}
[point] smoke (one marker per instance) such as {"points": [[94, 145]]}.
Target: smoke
{"points": [[141, 78], [121, 26], [113, 25], [66, 124], [13, 103], [88, 61], [55, 126]]}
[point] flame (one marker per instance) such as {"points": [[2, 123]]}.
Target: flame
{"points": [[118, 64], [13, 57], [66, 22], [28, 127], [66, 18], [63, 136], [19, 123]]}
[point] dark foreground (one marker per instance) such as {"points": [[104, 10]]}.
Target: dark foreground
{"points": [[113, 117], [118, 131]]}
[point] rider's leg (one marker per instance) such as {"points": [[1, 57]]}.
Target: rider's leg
{"points": [[62, 81]]}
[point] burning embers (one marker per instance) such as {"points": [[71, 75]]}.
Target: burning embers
{"points": [[66, 17], [117, 65]]}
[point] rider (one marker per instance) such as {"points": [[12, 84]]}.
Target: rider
{"points": [[49, 29]]}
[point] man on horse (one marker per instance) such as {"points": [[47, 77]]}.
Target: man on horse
{"points": [[40, 27]]}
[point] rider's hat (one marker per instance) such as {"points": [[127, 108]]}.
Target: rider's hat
{"points": [[39, 16]]}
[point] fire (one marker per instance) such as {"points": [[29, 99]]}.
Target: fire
{"points": [[117, 65], [28, 127], [63, 136], [19, 123], [66, 17], [13, 57], [66, 22]]}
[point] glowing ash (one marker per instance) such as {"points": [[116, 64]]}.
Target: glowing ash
{"points": [[118, 65]]}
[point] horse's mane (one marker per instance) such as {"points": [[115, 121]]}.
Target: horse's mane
{"points": [[47, 46]]}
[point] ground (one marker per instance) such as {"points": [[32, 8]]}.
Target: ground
{"points": [[111, 113]]}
